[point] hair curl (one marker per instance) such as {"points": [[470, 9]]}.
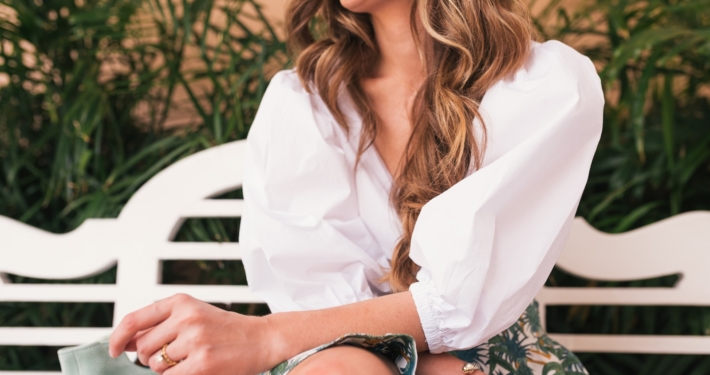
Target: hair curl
{"points": [[469, 46]]}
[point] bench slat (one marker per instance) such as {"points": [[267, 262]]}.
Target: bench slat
{"points": [[211, 293], [58, 293], [111, 293], [645, 344], [622, 296], [213, 208], [199, 251], [51, 336]]}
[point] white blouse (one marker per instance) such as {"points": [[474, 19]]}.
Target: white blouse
{"points": [[317, 233]]}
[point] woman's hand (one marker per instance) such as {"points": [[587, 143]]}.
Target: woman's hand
{"points": [[202, 338]]}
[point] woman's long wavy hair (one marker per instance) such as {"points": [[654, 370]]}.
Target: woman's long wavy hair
{"points": [[468, 46]]}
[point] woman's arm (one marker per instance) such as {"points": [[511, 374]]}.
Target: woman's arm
{"points": [[212, 341]]}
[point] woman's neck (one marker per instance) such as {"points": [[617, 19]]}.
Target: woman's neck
{"points": [[399, 57]]}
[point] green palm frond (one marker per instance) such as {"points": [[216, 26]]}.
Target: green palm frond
{"points": [[653, 160]]}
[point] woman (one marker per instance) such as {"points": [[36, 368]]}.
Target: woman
{"points": [[416, 173]]}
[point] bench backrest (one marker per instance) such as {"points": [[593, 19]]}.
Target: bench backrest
{"points": [[137, 241], [679, 245], [140, 239]]}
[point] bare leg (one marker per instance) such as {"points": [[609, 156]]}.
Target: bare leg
{"points": [[345, 360]]}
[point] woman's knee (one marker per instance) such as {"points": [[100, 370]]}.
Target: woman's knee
{"points": [[345, 360]]}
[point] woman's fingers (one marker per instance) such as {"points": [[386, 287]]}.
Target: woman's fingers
{"points": [[157, 364], [131, 346], [176, 351], [153, 340], [140, 320]]}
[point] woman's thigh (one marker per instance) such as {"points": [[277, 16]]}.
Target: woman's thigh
{"points": [[345, 360]]}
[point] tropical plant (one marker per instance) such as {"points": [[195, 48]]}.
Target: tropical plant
{"points": [[654, 157], [90, 86], [87, 89]]}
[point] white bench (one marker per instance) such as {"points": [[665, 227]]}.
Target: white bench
{"points": [[678, 245], [140, 239]]}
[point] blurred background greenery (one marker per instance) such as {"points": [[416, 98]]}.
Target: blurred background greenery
{"points": [[97, 96]]}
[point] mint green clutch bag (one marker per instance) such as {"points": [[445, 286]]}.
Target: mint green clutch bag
{"points": [[93, 359]]}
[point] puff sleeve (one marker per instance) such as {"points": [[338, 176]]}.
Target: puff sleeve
{"points": [[487, 245]]}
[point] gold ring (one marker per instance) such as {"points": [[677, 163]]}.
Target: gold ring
{"points": [[164, 356], [470, 368]]}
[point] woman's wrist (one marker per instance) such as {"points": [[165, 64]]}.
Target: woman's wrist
{"points": [[280, 346]]}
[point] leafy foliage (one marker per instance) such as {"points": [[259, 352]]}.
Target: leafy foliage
{"points": [[86, 92], [82, 119], [654, 157]]}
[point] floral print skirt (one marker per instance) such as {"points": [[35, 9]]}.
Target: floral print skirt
{"points": [[522, 349]]}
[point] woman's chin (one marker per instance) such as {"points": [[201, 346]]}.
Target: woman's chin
{"points": [[365, 6], [357, 6], [376, 6]]}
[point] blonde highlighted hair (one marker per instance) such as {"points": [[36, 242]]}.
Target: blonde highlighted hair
{"points": [[469, 46]]}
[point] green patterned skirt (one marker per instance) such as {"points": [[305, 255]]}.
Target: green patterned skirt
{"points": [[522, 349]]}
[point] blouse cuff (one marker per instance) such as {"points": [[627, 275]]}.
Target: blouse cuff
{"points": [[424, 296]]}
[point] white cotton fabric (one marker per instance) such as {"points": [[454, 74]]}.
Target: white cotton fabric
{"points": [[318, 232]]}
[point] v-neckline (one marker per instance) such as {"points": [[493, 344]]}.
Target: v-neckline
{"points": [[374, 160], [386, 177]]}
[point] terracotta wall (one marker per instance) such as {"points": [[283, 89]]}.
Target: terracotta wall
{"points": [[274, 9]]}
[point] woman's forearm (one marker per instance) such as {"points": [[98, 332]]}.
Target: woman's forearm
{"points": [[295, 332]]}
